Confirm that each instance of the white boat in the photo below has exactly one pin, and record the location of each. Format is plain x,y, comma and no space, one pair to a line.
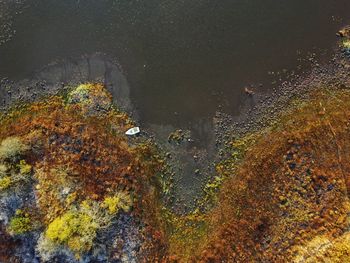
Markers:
133,131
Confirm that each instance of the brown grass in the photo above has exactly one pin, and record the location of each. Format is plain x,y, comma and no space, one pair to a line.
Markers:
292,186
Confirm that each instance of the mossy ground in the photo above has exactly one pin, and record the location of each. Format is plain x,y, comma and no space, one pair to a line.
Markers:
281,195
290,187
71,151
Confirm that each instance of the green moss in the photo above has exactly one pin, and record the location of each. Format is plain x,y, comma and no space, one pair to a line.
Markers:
20,223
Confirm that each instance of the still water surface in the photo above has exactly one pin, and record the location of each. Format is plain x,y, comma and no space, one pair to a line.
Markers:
182,58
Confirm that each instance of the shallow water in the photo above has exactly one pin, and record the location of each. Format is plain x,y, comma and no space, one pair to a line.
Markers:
182,58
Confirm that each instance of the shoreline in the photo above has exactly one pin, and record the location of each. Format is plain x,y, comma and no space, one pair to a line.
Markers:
191,176
183,218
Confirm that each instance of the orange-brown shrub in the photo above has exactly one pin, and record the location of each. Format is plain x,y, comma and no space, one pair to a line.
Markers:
91,154
292,186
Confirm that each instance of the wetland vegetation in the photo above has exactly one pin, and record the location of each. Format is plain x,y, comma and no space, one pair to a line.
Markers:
272,186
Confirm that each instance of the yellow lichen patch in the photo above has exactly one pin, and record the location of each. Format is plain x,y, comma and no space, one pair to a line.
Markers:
12,172
3,169
91,98
119,201
5,182
24,168
12,147
324,249
346,44
75,229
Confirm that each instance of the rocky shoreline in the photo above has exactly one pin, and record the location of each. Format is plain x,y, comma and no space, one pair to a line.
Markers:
61,75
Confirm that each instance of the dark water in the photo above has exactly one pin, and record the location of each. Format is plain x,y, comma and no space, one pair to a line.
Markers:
182,58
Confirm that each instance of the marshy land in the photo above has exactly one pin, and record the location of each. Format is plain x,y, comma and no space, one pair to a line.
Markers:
174,131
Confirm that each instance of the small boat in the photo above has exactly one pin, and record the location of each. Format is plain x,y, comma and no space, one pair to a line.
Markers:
133,131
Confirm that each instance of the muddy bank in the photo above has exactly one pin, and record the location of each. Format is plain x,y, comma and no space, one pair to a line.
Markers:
191,159
267,107
61,75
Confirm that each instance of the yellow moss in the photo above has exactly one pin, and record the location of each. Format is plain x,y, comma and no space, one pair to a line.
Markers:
185,233
85,204
57,230
75,229
5,182
90,97
24,168
12,147
119,201
324,249
346,44
71,198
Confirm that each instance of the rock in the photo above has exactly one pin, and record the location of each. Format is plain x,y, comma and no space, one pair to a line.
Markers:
344,32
